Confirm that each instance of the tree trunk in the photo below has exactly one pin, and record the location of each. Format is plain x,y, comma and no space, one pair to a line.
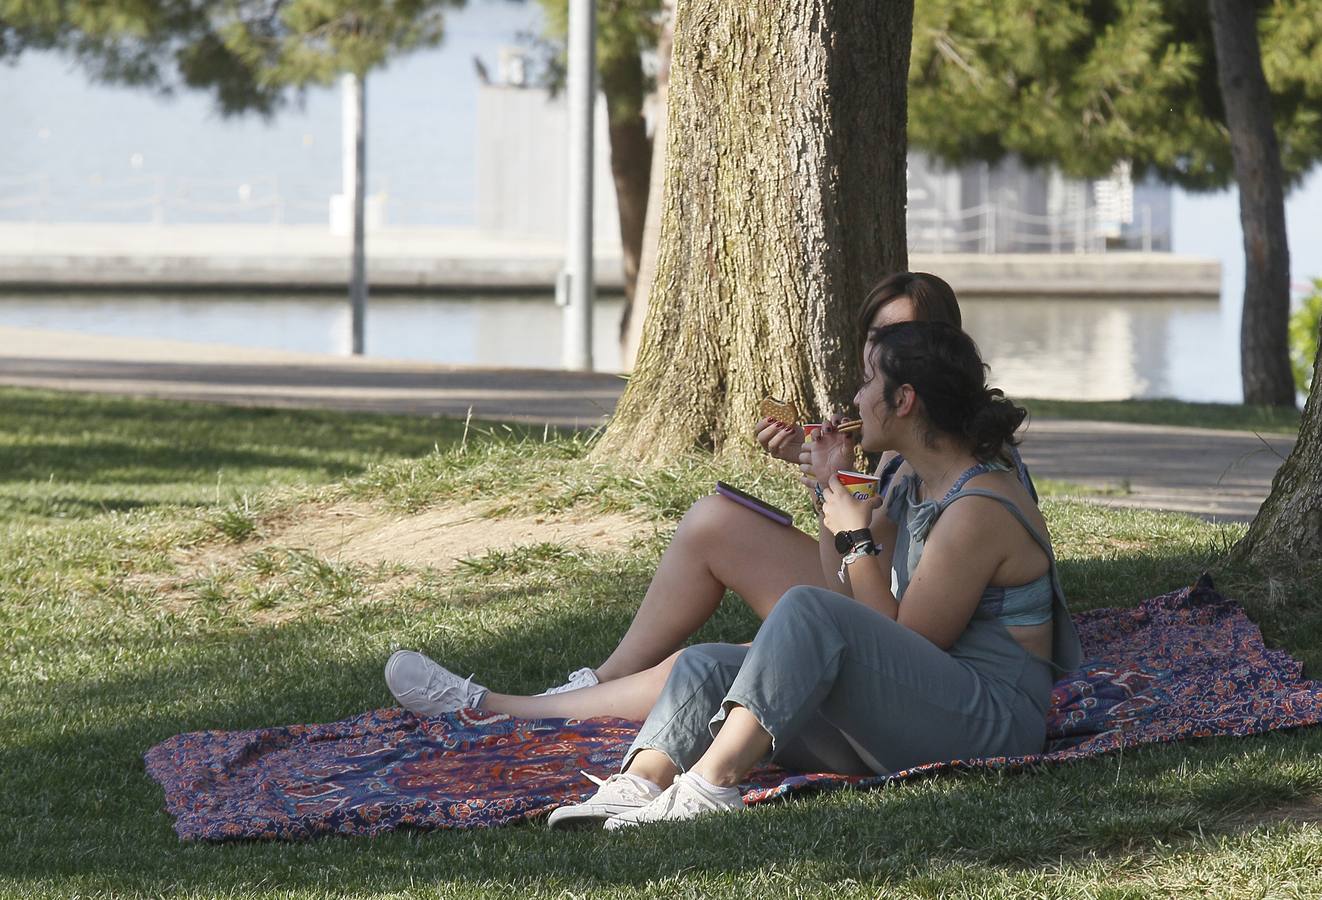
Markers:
784,202
1263,342
635,307
1288,527
625,87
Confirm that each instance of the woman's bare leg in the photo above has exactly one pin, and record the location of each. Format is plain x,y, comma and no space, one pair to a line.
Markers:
719,545
653,765
630,697
740,744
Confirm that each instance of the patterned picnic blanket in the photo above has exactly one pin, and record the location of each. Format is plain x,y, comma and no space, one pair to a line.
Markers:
1184,665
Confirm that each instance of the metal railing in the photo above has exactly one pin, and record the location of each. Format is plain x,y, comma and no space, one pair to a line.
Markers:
166,199
161,199
988,228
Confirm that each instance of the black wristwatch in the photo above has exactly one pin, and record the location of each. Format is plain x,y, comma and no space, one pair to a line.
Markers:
848,540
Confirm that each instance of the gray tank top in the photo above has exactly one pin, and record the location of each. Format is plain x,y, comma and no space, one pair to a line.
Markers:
1036,602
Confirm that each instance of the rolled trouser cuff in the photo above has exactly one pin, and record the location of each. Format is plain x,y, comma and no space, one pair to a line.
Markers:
678,725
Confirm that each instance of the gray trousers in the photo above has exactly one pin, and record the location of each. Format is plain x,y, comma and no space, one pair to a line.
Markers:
842,688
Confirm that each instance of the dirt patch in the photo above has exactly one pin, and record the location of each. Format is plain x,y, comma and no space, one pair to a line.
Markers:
233,575
359,533
1305,811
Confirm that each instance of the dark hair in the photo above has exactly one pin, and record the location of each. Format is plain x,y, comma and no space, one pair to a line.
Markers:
944,367
933,299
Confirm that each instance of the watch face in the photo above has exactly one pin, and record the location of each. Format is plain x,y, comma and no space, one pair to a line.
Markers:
844,541
848,540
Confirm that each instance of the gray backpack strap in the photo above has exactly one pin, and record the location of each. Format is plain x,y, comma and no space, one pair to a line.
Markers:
1066,653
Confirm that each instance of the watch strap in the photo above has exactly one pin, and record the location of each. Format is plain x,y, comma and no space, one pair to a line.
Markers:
845,541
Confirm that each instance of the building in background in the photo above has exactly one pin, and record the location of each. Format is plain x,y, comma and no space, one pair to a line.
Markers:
977,208
483,153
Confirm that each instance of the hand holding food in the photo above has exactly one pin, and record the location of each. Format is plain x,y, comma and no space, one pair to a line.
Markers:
781,440
830,451
778,430
842,510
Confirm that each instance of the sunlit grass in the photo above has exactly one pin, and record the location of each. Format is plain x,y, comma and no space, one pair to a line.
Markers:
1230,416
115,641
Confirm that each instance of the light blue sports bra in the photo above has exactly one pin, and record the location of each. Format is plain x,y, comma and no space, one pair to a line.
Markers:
1021,604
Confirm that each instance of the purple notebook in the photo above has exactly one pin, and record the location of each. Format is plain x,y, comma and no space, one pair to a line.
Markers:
761,507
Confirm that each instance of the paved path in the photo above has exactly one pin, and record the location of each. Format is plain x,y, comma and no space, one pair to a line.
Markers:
1221,475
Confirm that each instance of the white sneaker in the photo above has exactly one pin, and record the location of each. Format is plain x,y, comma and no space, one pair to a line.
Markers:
618,793
426,688
583,678
684,799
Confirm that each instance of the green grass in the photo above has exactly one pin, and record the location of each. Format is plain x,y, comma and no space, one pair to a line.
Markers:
76,455
1233,417
111,647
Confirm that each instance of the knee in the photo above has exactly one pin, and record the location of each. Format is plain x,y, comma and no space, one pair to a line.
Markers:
703,662
802,602
802,599
709,517
698,659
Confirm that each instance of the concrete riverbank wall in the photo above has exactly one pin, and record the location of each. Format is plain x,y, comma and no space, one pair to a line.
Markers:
90,257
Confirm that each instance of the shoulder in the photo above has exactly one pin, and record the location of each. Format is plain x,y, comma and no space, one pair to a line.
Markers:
970,517
989,520
976,521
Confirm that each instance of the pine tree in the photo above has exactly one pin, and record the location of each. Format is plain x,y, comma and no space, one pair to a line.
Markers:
1084,85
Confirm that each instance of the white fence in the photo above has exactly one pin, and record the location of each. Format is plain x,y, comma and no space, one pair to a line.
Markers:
160,200
165,199
988,228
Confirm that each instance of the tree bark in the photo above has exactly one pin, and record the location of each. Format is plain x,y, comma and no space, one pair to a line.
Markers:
1288,528
635,308
784,202
625,87
1263,341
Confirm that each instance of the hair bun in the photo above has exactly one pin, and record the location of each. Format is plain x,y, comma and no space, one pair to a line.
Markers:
994,423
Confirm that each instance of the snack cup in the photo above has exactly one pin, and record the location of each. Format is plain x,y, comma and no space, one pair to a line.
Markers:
863,487
810,430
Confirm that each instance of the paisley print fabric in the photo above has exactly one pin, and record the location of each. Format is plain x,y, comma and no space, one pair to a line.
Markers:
1185,665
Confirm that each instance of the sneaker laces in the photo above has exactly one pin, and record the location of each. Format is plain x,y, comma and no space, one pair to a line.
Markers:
682,800
618,785
679,800
437,689
582,678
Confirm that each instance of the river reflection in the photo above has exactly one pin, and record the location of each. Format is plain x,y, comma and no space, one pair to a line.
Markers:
1080,349
1107,349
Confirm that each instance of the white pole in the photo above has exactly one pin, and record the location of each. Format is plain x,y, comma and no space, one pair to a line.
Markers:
348,135
355,177
582,94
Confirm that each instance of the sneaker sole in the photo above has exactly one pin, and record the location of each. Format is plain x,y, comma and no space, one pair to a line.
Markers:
581,818
390,665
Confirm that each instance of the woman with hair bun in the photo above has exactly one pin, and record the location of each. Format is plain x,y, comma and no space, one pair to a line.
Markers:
719,546
957,663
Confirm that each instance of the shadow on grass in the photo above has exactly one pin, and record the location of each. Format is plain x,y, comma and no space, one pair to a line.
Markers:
82,810
69,437
123,462
75,507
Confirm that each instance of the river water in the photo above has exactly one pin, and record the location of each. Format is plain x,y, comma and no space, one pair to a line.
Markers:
1053,348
